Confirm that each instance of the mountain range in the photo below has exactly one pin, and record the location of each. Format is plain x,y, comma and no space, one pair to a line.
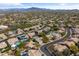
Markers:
30,9
23,9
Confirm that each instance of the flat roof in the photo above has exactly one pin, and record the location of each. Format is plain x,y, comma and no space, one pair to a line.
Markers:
3,45
12,41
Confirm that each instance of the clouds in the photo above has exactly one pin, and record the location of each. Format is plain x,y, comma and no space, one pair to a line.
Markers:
49,1
51,4
10,1
39,1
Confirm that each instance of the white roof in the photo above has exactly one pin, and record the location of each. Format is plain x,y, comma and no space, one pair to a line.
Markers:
2,26
13,45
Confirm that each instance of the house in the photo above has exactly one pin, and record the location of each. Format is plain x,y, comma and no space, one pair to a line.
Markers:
3,45
3,37
69,43
38,39
33,52
26,29
11,33
76,30
22,37
61,30
46,29
59,47
4,54
39,31
13,46
76,40
77,26
20,31
12,41
3,27
49,36
56,34
31,34
30,44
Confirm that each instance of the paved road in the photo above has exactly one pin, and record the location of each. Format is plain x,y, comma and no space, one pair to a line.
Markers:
44,47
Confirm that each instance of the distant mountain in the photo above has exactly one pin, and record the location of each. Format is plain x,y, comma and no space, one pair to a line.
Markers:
37,9
23,9
33,9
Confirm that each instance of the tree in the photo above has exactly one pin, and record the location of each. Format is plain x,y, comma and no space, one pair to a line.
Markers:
16,53
53,38
77,44
66,52
63,33
45,39
55,27
37,44
74,49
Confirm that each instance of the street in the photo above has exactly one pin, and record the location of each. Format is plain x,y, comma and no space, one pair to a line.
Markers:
44,48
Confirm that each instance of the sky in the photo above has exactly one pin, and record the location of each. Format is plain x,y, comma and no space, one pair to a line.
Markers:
39,1
49,4
40,5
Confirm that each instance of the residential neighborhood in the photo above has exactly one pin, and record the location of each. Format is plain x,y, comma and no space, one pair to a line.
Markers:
39,32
